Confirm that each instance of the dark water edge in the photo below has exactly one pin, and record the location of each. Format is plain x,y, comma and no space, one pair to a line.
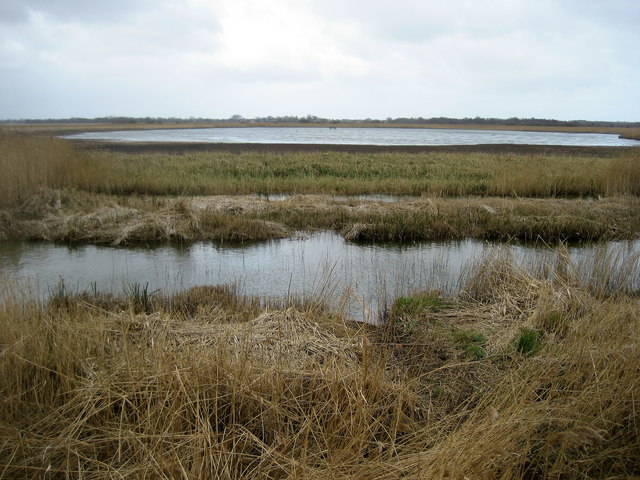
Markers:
360,279
179,148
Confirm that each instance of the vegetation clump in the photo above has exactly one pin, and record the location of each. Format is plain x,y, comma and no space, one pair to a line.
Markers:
528,342
472,343
415,305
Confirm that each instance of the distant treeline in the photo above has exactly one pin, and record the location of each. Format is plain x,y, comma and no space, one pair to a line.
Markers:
514,121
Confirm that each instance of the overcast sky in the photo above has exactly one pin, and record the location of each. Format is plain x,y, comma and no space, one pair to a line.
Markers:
563,59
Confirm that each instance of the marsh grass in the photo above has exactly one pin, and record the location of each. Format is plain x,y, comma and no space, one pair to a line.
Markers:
528,342
82,217
554,176
30,163
207,384
622,177
45,180
440,174
139,297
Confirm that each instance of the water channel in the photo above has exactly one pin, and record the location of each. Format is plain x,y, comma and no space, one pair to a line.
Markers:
356,136
358,278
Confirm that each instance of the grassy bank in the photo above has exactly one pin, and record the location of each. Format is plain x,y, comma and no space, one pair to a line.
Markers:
54,192
517,378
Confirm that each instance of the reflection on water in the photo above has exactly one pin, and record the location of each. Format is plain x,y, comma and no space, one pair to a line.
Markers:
357,136
381,198
357,277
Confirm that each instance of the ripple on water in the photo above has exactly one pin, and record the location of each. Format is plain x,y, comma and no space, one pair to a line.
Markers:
322,265
357,136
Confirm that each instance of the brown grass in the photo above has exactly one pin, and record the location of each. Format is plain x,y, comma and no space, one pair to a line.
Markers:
396,173
622,176
33,162
43,178
210,385
29,164
81,217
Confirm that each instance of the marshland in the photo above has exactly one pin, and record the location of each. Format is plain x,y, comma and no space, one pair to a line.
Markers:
528,369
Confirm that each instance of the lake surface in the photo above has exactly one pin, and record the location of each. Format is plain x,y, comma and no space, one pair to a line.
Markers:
356,136
358,278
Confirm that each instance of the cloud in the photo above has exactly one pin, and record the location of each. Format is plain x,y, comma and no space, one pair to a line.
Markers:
277,41
71,10
551,58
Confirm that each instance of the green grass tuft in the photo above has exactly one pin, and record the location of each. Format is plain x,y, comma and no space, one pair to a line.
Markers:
529,342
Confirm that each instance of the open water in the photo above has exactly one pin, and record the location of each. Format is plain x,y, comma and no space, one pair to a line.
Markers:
356,136
360,279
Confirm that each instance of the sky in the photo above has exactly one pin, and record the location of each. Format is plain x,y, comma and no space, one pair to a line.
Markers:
560,59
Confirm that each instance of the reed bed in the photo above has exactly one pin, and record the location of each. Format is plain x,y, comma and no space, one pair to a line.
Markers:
30,163
431,174
208,384
128,198
46,179
69,216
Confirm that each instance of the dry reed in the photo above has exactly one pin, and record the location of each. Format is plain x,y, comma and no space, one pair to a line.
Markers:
210,385
622,176
82,217
29,164
41,195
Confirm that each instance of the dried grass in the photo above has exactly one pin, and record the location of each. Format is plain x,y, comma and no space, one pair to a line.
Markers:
40,197
396,173
29,164
622,176
82,217
210,385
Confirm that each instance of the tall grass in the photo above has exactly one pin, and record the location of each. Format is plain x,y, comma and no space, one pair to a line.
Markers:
548,177
29,164
43,179
622,177
432,174
210,385
33,162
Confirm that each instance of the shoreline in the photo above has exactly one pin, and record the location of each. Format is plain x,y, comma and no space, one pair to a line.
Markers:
61,128
178,148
